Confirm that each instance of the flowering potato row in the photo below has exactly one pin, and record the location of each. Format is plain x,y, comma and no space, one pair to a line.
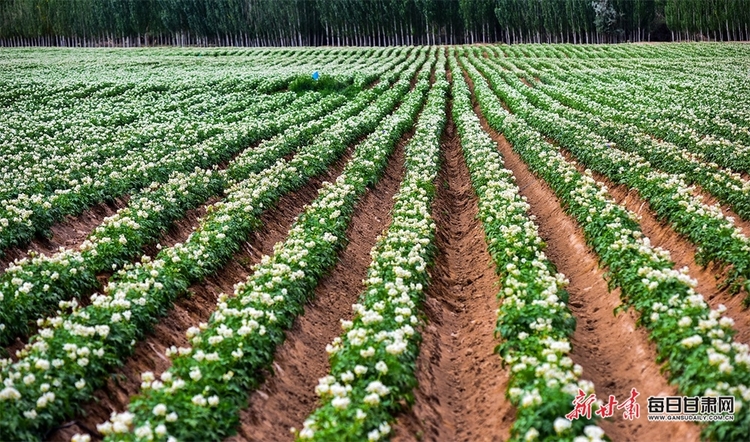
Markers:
717,237
200,396
534,321
685,93
716,136
26,215
373,363
693,341
730,188
283,144
77,135
74,352
80,133
691,98
306,108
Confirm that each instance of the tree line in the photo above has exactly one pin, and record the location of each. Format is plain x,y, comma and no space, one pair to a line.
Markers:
364,22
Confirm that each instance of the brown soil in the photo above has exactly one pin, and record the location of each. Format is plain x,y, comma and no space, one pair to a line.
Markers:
285,399
461,393
682,252
191,310
179,230
614,354
68,233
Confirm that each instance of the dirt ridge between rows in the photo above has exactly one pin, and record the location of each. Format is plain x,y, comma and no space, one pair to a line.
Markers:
189,311
615,354
69,232
461,392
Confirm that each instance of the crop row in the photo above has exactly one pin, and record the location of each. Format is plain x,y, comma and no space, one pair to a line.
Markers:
694,127
200,396
716,236
31,287
23,216
151,157
55,155
729,188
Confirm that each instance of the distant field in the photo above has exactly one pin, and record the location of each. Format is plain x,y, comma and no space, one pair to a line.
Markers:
403,243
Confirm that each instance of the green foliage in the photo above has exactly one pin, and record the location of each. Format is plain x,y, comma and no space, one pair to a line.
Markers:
326,84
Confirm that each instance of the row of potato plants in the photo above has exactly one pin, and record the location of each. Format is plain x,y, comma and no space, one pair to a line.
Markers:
53,155
694,342
717,238
701,93
534,321
42,133
701,88
132,105
75,351
201,395
700,96
728,187
664,119
373,364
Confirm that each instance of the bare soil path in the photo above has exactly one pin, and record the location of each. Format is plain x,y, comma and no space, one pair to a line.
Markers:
461,393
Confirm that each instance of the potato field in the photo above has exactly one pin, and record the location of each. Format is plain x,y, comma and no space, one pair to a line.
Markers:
428,243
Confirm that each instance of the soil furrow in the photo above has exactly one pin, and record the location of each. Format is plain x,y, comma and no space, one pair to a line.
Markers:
288,396
682,253
68,233
180,229
189,311
461,393
615,355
